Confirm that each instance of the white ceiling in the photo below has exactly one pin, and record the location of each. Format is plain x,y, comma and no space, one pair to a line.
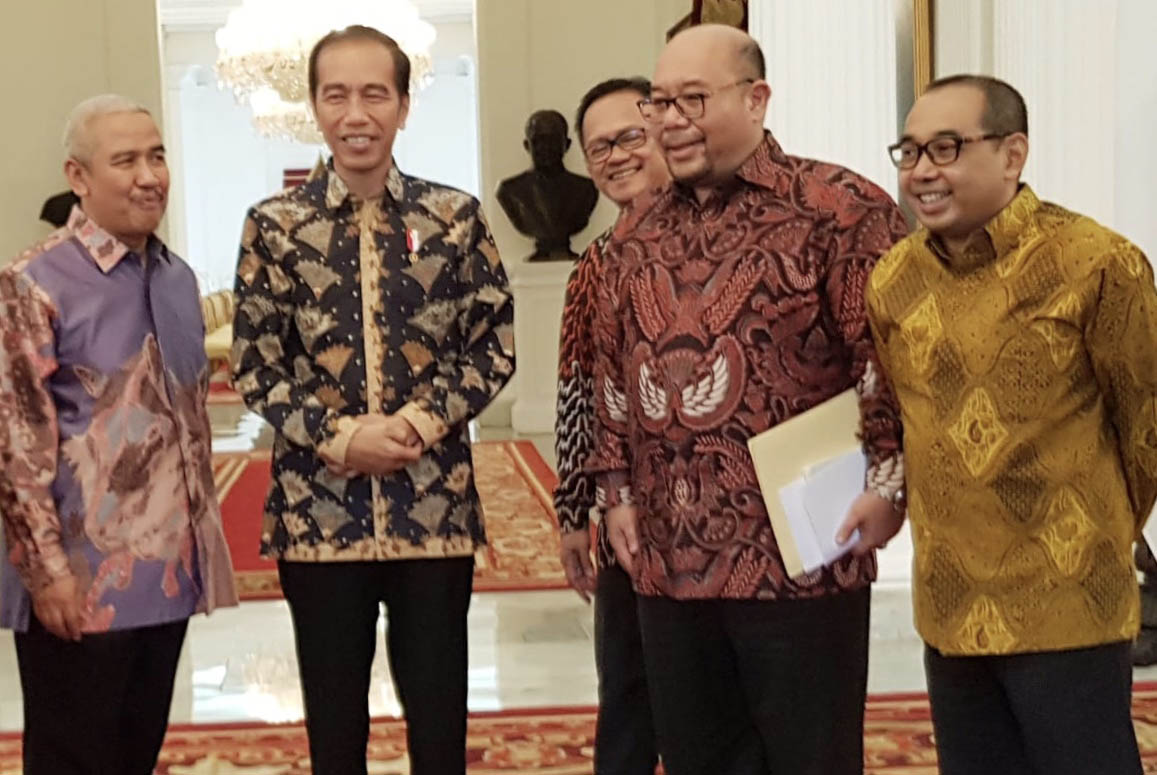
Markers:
200,14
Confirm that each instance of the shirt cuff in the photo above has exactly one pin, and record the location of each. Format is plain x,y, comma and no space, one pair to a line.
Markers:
48,569
429,426
886,479
612,490
333,449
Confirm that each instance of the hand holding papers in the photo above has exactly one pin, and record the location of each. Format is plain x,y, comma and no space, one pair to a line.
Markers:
811,469
816,505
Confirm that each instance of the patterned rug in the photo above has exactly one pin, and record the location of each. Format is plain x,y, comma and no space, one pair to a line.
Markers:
897,741
513,480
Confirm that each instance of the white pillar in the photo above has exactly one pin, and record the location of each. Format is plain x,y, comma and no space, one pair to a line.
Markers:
1061,55
963,37
539,289
1136,114
832,67
174,153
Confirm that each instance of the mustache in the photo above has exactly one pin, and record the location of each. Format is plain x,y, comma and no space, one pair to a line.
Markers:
678,138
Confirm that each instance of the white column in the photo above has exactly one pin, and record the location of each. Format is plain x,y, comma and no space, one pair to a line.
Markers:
539,289
176,221
833,70
1136,114
963,37
1061,55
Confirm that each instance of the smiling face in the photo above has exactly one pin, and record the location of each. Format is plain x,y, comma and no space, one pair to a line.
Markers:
636,162
358,107
705,62
955,200
123,181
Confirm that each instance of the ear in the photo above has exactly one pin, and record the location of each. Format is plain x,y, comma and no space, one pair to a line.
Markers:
403,111
566,147
526,145
77,177
759,98
1015,155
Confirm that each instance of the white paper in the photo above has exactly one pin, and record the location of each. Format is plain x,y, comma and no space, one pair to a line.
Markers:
793,497
1149,532
817,504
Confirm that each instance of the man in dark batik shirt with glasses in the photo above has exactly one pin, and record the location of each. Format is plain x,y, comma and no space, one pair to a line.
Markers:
624,163
374,320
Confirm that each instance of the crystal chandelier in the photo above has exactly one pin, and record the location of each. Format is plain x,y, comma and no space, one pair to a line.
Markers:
263,53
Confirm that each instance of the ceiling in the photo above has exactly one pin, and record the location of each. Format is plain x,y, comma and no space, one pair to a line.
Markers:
201,14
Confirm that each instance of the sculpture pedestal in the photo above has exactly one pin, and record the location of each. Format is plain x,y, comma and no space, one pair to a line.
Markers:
539,292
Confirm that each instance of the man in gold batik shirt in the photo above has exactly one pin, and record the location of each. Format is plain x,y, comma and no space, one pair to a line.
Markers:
1021,339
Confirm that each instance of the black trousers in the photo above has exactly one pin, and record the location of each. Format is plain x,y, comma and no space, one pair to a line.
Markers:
335,612
100,706
625,734
1049,713
740,687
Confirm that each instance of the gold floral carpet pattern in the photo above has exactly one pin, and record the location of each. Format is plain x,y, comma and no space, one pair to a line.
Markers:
560,741
514,484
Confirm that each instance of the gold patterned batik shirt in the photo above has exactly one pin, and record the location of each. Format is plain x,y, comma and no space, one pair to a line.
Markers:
1027,376
397,305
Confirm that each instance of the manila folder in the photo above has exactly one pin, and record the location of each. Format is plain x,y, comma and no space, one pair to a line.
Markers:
783,454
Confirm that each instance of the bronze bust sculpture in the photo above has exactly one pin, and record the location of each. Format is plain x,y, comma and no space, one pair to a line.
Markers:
548,203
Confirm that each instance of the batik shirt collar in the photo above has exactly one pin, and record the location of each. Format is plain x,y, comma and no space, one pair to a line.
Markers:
337,192
105,249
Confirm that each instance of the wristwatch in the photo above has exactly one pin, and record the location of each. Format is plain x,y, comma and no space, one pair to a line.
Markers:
898,497
900,500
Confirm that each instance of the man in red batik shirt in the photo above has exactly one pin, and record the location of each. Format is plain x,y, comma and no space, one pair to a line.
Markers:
730,303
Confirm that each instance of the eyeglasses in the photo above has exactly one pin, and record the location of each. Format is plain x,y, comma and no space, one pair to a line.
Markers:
941,150
689,105
628,140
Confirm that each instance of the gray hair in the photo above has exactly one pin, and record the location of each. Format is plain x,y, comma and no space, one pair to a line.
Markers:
78,143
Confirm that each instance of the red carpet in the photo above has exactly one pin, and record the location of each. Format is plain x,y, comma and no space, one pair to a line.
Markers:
513,480
897,741
220,391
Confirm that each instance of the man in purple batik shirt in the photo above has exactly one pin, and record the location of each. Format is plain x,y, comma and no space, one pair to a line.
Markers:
113,532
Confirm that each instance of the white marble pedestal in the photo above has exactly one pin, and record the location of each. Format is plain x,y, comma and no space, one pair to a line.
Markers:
539,291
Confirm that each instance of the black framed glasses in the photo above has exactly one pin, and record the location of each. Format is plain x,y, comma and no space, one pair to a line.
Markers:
690,106
941,150
630,139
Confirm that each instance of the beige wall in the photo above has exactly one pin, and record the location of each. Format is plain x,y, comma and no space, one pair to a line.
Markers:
537,54
54,53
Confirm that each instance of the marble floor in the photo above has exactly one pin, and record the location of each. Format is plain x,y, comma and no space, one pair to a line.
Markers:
528,649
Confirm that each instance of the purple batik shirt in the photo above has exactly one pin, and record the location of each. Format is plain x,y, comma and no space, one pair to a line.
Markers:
104,436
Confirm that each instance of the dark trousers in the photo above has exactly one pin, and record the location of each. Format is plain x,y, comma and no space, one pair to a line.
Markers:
335,612
1049,713
740,687
100,706
625,735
